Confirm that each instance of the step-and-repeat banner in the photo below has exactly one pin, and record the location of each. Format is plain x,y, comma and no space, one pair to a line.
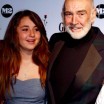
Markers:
48,10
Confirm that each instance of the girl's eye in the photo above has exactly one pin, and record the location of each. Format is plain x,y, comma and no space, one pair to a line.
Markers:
37,29
24,29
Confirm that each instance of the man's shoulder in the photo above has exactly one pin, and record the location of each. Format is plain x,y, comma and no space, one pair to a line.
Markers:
99,33
59,35
56,37
99,40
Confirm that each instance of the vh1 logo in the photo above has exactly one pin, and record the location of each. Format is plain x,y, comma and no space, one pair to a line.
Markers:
100,11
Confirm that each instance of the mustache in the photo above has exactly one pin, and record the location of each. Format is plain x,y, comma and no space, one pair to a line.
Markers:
73,26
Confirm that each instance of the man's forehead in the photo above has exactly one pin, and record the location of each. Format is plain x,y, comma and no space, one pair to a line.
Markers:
74,2
79,0
77,5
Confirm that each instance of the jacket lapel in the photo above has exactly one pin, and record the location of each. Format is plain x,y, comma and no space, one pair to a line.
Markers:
88,66
54,54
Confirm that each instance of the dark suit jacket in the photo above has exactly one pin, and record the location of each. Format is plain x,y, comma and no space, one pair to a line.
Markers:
76,68
1,44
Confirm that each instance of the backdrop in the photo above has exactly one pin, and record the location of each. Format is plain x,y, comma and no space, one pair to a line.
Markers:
48,10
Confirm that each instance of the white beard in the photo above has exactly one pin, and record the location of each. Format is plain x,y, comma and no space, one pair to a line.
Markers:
81,34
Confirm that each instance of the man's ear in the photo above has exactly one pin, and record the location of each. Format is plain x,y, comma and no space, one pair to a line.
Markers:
93,15
62,15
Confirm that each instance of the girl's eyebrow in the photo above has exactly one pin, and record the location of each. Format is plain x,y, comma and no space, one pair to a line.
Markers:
26,26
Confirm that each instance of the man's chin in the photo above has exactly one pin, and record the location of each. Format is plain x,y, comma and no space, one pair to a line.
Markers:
77,34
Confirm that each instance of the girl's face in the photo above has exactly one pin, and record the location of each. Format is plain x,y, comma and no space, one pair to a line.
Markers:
29,34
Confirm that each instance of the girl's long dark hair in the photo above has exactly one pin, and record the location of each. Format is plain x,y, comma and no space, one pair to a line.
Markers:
10,57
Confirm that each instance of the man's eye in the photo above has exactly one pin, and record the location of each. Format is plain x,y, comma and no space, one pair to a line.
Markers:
67,13
81,13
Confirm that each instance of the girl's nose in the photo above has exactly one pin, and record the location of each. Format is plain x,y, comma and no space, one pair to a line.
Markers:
32,33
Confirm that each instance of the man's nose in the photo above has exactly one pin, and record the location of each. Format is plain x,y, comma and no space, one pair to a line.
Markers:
74,19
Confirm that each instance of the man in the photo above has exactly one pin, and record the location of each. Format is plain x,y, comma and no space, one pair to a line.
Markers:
76,68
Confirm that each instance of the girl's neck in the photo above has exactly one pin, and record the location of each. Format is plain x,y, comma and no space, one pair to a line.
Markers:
26,56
